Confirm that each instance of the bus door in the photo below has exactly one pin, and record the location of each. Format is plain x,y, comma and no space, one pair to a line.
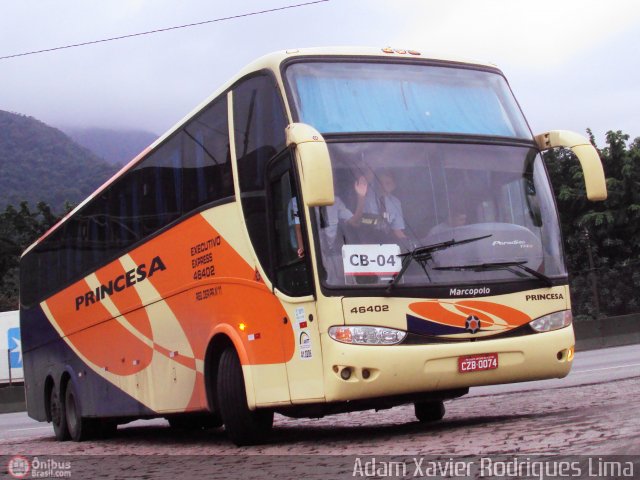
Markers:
292,278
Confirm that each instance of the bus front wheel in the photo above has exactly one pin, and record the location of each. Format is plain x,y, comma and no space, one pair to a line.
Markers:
58,415
429,411
243,426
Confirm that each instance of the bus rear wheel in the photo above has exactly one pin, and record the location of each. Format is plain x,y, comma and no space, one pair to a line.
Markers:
427,412
58,416
243,426
80,428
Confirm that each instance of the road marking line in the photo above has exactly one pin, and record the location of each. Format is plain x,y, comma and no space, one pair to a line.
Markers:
607,368
29,428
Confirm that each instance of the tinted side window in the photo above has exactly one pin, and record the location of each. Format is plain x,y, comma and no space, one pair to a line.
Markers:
290,269
206,163
259,123
161,186
191,169
124,212
94,234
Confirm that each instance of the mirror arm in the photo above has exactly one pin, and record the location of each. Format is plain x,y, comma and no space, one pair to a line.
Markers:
587,155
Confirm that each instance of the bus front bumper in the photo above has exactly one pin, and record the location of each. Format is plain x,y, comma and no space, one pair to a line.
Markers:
380,371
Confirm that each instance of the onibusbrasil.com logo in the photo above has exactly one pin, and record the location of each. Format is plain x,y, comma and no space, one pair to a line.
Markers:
21,467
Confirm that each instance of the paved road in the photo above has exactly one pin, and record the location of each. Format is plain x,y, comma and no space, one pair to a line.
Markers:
592,412
590,367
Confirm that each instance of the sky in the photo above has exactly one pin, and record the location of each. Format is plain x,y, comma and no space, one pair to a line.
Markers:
572,64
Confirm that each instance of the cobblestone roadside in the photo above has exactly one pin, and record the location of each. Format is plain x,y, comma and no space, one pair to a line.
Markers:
596,419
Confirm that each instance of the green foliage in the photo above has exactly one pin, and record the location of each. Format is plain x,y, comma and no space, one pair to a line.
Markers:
609,230
41,166
40,163
18,229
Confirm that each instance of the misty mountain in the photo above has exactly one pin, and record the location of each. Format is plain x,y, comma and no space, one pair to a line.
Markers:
40,163
115,146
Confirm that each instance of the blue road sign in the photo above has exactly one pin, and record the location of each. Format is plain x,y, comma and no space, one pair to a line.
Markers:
15,347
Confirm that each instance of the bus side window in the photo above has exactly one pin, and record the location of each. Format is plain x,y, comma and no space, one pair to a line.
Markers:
46,278
124,213
259,123
161,186
207,158
286,237
97,231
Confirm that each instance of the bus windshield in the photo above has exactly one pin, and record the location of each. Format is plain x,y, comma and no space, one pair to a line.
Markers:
357,97
394,198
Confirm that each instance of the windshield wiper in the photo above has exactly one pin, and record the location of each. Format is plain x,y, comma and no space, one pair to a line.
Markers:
502,265
423,254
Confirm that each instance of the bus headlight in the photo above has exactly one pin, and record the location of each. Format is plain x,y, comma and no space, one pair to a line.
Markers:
553,321
364,335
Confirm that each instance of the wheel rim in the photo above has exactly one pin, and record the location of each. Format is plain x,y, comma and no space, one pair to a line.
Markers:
72,418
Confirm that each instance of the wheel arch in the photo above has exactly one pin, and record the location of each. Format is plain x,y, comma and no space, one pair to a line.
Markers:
221,340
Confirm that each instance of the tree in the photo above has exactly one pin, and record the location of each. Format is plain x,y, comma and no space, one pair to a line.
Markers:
601,238
18,229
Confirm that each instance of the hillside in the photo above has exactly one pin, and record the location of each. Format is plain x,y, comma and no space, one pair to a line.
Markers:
115,146
40,163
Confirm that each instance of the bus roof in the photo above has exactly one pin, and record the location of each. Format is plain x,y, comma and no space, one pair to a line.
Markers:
271,61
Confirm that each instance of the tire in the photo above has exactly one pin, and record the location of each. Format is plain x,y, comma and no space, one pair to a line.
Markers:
58,415
427,412
195,422
243,426
80,429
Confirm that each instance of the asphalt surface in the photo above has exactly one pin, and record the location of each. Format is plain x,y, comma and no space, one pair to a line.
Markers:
590,367
586,419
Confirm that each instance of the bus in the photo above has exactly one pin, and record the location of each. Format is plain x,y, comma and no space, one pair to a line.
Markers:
333,230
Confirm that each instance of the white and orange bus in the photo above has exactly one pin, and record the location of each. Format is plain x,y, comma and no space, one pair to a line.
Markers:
332,230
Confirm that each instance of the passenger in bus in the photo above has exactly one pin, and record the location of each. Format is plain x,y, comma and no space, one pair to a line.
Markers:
295,231
377,217
332,237
379,207
330,218
389,205
457,217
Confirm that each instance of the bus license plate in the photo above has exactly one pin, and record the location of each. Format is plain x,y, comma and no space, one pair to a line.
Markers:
476,363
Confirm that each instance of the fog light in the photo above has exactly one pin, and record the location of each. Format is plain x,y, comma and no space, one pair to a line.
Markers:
345,374
366,373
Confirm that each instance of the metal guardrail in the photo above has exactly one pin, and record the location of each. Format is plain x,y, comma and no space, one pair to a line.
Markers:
605,292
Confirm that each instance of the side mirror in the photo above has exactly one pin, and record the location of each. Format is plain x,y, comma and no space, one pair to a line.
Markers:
316,174
587,155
